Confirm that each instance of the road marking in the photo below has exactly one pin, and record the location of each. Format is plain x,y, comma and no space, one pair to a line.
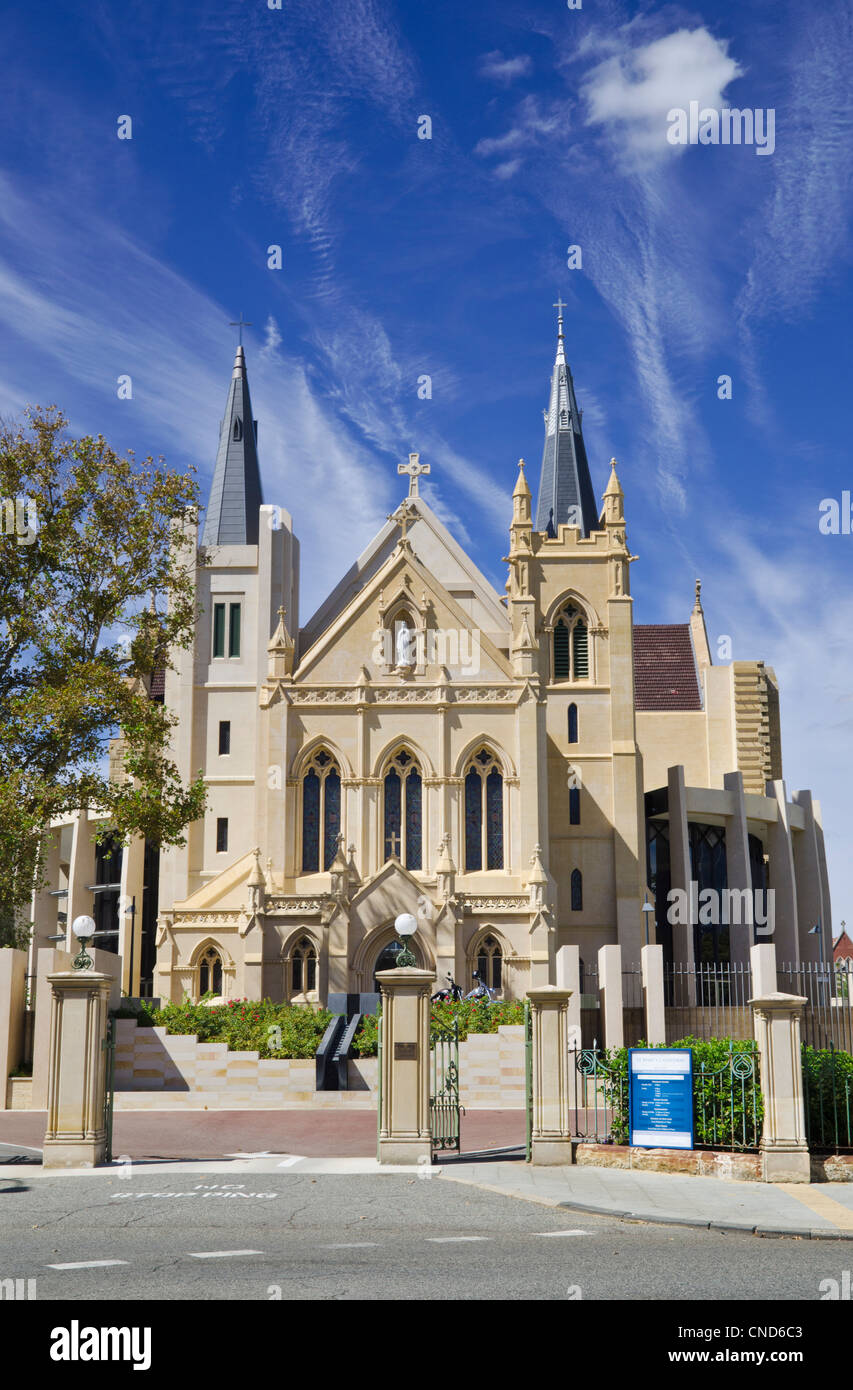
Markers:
220,1254
453,1240
89,1264
835,1212
562,1233
353,1245
289,1162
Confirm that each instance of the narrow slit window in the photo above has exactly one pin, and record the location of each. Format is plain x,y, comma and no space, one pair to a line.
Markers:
234,630
221,834
574,806
224,736
573,723
219,629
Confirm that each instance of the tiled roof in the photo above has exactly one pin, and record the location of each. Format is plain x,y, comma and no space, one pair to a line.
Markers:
665,668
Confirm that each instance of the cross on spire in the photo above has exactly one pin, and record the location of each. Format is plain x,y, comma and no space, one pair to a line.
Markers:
240,323
414,468
404,516
560,306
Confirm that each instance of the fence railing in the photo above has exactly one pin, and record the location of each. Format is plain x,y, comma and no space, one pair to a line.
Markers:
727,1102
828,1015
707,1001
828,1098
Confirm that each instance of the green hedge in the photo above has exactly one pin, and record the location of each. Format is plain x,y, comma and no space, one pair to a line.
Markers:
828,1085
246,1026
721,1119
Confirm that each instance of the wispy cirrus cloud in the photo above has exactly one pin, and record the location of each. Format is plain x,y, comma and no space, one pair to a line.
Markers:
505,70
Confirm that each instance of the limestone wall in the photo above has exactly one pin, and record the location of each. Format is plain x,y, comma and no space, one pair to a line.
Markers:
159,1070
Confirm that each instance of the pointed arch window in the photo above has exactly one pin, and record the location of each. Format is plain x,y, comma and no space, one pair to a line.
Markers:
484,813
490,962
210,973
573,723
237,432
321,812
571,647
403,810
577,890
303,967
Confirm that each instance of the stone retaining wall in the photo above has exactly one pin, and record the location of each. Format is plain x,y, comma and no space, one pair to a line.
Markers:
159,1070
706,1163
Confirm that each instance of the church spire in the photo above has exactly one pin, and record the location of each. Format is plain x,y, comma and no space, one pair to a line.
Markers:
565,488
235,495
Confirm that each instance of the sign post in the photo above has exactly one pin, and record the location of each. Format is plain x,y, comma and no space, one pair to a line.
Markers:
660,1097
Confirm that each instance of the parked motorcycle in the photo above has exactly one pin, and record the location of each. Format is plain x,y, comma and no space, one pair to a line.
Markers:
451,994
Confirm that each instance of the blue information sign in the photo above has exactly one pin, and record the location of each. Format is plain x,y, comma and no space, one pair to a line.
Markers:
660,1097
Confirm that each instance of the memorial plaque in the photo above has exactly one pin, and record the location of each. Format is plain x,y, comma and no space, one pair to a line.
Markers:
405,1052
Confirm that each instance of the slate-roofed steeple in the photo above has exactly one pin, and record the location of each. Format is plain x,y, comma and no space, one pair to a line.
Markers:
235,495
565,480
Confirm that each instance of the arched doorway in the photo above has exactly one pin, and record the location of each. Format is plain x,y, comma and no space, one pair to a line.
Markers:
386,960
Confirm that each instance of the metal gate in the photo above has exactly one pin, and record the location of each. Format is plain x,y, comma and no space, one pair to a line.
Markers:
444,1104
109,1047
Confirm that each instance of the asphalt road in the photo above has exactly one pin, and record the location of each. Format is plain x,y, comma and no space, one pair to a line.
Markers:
386,1236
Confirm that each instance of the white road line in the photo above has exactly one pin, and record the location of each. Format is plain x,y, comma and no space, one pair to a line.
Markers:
562,1233
453,1240
289,1162
89,1264
220,1254
353,1245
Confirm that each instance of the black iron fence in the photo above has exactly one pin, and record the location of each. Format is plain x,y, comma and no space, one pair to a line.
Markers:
708,1001
828,1098
727,1101
828,1014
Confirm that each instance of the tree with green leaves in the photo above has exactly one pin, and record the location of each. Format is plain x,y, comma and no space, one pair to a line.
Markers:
96,588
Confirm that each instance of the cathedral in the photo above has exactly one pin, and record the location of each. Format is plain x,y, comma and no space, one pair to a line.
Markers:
518,770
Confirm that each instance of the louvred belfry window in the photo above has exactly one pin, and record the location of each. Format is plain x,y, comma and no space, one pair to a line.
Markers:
571,646
321,812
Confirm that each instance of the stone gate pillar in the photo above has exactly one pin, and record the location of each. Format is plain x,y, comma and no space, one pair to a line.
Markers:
405,1135
79,1008
784,1150
552,1130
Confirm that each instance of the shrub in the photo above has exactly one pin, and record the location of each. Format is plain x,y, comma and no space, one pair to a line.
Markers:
828,1086
727,1112
476,1015
272,1030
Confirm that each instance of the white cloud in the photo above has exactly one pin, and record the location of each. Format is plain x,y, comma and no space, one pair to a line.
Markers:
272,340
500,69
634,90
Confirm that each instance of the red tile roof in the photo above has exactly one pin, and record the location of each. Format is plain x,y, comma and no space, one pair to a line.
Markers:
665,668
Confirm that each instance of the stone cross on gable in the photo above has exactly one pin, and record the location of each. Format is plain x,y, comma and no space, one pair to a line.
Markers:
414,468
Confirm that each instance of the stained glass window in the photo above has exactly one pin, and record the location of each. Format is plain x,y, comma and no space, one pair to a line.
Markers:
331,816
403,817
393,814
303,967
473,821
310,823
489,962
321,812
573,723
413,819
483,813
210,973
574,806
577,891
494,820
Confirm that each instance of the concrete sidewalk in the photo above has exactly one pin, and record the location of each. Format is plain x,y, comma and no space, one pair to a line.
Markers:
815,1211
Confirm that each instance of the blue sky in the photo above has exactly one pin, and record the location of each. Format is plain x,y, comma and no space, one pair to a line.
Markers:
403,257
